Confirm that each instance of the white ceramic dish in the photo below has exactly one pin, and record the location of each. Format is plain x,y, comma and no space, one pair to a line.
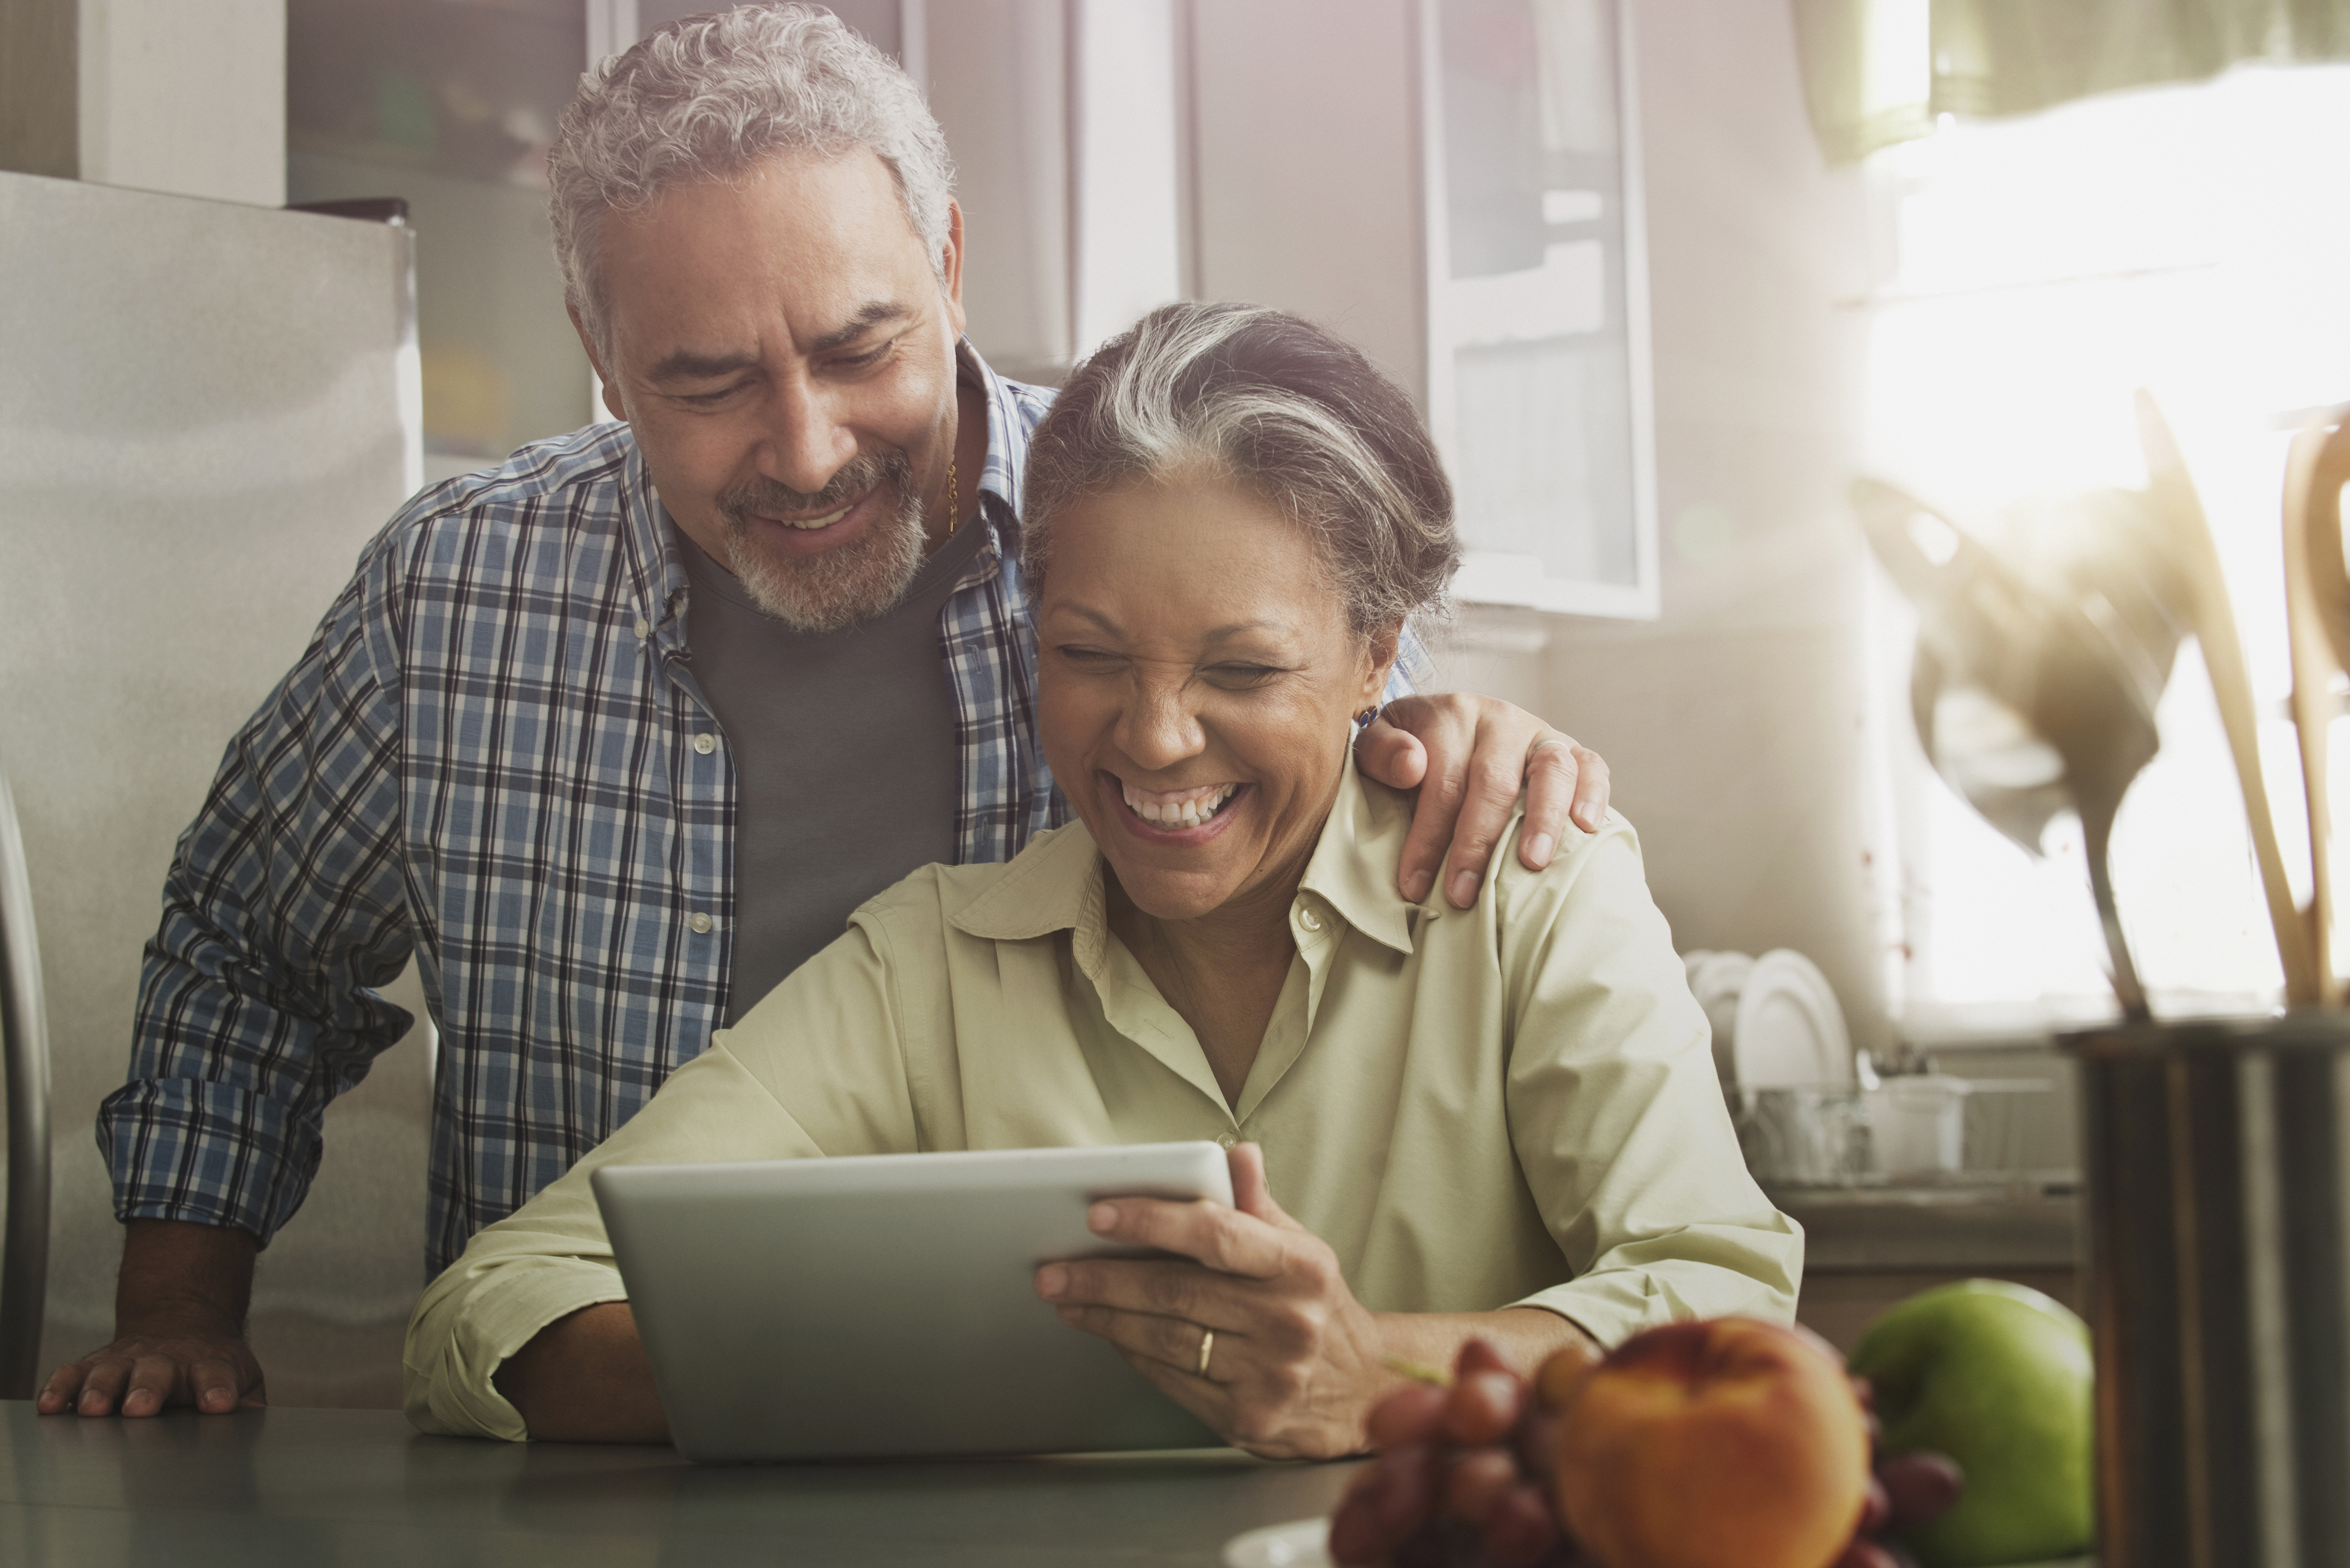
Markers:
1715,978
1789,1031
1300,1544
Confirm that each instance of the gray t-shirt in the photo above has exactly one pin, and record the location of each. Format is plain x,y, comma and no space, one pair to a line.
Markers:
844,753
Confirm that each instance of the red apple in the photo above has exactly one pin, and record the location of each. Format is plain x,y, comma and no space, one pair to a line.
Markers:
1730,1444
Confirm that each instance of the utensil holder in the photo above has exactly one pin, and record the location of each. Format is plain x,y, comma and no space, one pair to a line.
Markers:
2212,1164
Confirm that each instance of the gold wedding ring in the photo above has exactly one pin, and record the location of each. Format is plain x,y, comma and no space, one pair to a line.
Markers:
1207,1348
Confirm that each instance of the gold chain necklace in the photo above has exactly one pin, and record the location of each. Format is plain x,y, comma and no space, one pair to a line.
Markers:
953,508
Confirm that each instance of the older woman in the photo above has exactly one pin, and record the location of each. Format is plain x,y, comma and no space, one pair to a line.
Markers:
1501,1122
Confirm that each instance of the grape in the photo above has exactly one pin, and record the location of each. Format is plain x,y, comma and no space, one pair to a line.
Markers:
1479,1356
1403,1489
1520,1532
1536,1440
1865,1553
1482,1407
1875,1508
1917,1487
1410,1415
1356,1535
1478,1482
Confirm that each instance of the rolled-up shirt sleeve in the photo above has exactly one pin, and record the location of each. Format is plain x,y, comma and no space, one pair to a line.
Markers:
827,1036
284,906
1617,1113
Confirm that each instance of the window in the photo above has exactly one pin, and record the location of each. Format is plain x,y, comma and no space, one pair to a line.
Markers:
2033,274
1536,303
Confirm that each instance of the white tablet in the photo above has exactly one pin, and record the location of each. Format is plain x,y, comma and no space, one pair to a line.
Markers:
885,1305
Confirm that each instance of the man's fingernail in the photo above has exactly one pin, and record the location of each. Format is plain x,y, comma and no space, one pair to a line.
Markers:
1417,884
90,1401
1102,1217
1538,848
1464,888
1051,1281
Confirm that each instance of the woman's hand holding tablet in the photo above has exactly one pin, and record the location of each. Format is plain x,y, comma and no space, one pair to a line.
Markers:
1258,1335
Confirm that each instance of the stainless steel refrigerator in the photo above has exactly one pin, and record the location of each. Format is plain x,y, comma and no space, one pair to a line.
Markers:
205,411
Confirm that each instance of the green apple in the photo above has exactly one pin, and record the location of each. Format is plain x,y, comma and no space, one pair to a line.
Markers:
1998,1377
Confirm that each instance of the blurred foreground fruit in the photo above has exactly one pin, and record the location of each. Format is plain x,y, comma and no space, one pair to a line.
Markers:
1998,1377
1727,1444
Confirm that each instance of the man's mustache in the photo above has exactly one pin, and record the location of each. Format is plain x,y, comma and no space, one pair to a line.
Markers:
766,497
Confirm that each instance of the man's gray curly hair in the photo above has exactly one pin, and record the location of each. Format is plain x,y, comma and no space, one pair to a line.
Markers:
708,97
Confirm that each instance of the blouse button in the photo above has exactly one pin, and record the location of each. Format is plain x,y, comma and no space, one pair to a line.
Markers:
1227,1140
1308,919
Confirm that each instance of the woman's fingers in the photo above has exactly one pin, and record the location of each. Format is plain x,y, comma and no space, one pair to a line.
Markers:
1220,1238
1173,1343
1157,1287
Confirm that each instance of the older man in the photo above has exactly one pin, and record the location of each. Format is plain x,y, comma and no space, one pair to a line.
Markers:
602,828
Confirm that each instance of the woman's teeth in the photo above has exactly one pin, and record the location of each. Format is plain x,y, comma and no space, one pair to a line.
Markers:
1178,807
826,521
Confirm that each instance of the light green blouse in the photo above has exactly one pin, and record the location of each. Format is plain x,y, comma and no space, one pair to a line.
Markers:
1514,1104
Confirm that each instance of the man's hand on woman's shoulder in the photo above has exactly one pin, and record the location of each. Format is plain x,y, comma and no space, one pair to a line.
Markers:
1469,756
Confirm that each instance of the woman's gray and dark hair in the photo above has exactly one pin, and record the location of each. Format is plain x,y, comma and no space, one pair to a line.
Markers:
706,97
1278,406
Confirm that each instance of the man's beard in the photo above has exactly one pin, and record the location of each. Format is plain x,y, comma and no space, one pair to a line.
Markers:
833,588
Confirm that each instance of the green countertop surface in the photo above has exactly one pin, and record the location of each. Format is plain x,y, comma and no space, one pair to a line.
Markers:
264,1488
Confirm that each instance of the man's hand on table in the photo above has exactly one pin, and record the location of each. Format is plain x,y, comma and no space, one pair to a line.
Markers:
1469,757
178,1326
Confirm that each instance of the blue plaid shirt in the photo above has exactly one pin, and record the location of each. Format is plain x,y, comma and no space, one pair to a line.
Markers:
485,758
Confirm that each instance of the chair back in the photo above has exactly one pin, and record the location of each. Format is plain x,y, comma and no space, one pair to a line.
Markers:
25,1039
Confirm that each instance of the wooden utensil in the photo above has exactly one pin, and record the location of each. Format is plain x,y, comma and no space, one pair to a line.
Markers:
2173,492
2318,620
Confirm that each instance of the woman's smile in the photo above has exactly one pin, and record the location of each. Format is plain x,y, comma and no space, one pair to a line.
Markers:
1175,816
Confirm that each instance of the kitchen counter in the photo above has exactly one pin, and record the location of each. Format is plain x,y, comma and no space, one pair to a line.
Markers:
361,1486
1867,1248
1866,1229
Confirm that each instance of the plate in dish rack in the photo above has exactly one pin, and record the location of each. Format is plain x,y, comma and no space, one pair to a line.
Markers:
1790,1032
1300,1544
